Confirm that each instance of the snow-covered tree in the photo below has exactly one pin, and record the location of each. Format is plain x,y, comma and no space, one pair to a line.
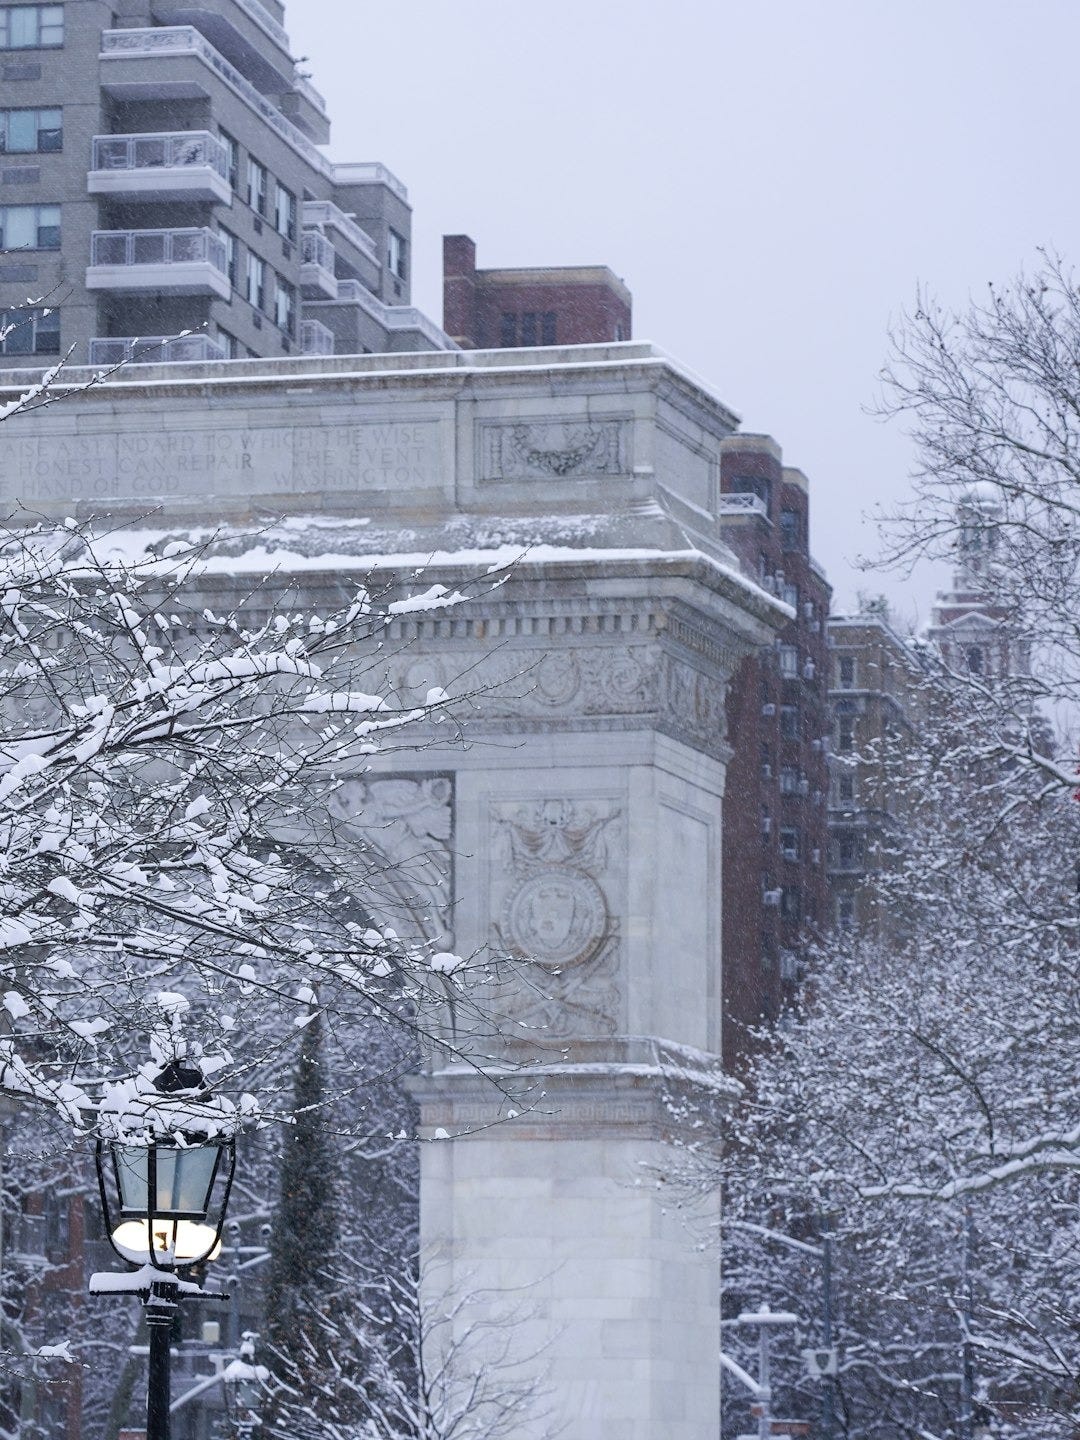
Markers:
165,773
925,1100
991,398
922,1107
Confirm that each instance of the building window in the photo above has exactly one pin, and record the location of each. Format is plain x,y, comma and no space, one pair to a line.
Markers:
789,722
547,328
232,150
759,485
31,27
791,903
790,529
845,912
232,256
976,660
845,786
29,227
847,849
256,281
845,733
789,662
789,842
528,328
789,780
790,594
395,254
846,672
229,344
284,305
508,331
256,186
30,332
285,213
29,132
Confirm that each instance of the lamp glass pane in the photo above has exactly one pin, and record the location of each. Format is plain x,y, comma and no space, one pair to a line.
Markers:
184,1178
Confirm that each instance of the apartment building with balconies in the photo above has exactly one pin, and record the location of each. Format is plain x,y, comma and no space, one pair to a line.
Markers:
165,194
775,803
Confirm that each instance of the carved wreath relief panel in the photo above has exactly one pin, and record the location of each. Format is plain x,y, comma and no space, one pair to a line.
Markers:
519,451
554,865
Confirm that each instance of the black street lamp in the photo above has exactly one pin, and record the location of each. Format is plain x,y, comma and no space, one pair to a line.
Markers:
245,1389
158,1189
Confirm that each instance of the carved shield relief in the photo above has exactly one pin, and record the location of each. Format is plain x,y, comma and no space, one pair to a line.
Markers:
556,865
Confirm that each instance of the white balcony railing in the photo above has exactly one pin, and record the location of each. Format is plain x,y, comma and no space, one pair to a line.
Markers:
171,40
315,338
326,215
158,247
317,255
153,349
743,504
315,249
165,151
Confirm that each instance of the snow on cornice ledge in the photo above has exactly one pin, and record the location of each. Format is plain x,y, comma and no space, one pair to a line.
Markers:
451,365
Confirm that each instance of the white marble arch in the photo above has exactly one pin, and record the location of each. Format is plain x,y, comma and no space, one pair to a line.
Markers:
579,821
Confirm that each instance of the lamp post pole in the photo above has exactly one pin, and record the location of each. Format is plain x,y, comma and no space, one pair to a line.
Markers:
160,1313
827,1413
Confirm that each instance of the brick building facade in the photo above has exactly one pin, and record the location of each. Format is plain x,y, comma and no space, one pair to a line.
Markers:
775,820
555,305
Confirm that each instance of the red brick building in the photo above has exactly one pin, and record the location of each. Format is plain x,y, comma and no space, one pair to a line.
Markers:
775,806
503,309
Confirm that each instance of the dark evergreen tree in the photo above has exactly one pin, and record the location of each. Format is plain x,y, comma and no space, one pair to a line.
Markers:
305,1229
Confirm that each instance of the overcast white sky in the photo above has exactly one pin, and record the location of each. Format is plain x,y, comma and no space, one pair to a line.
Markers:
772,178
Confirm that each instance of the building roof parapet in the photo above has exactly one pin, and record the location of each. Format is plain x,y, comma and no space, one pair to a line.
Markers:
558,275
368,172
754,444
869,621
602,361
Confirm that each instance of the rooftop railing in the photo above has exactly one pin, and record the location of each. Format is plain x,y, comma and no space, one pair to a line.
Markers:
315,338
153,349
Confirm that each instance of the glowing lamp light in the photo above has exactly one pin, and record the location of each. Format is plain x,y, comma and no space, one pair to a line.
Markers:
163,1212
